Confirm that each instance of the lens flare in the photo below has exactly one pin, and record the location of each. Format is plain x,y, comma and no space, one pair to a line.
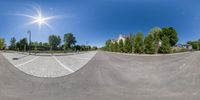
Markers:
38,18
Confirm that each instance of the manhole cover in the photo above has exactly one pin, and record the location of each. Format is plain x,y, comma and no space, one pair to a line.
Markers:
15,58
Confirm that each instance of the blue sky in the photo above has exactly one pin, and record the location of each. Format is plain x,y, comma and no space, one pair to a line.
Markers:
96,21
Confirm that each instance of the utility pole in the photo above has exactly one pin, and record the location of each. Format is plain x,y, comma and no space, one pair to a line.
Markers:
29,32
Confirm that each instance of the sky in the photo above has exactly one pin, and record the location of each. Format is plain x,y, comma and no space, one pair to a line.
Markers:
95,21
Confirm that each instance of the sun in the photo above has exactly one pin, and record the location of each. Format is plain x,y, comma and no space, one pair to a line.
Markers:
38,18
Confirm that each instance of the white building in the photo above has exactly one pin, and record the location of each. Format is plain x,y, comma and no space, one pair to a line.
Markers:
121,37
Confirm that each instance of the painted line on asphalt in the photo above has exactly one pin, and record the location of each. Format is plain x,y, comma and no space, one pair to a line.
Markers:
58,61
27,62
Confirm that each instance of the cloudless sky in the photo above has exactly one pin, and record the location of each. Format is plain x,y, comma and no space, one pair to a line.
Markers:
96,21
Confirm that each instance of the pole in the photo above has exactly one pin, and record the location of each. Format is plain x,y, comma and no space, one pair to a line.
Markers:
29,32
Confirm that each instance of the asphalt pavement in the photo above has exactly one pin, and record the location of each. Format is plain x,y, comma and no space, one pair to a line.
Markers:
110,76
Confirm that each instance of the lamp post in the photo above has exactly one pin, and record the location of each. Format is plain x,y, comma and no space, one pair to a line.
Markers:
29,32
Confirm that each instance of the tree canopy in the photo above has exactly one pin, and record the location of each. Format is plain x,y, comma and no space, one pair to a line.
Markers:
150,45
139,43
107,47
171,33
127,45
12,43
121,45
22,44
69,40
165,47
54,41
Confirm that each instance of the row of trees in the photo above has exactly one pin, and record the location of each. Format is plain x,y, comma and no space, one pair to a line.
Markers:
54,43
157,41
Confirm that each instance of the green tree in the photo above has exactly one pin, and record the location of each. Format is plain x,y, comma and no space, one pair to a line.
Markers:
165,47
46,46
149,44
54,41
132,42
2,43
40,44
107,47
121,45
156,33
22,45
127,45
111,47
139,43
12,43
116,46
69,41
94,48
171,33
35,46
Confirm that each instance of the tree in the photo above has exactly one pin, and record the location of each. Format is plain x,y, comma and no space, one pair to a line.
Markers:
149,44
165,47
54,41
115,47
83,47
22,45
35,45
107,47
132,37
69,40
12,43
121,45
171,33
138,43
156,33
77,47
127,45
94,48
46,46
2,43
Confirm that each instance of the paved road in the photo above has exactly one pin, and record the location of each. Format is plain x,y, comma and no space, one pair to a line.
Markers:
51,65
110,76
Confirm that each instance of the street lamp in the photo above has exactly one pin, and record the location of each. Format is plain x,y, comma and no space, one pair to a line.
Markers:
29,32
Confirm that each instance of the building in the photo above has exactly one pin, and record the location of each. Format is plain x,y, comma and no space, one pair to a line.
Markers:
179,47
121,37
187,46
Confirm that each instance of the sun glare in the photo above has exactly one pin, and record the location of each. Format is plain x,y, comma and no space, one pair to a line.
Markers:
38,18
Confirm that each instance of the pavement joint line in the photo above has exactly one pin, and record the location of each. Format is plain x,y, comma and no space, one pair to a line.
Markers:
27,62
84,58
58,61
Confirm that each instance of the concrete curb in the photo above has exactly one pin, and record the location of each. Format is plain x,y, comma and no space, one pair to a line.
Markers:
132,54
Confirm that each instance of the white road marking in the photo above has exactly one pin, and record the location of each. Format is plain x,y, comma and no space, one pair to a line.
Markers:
63,65
27,62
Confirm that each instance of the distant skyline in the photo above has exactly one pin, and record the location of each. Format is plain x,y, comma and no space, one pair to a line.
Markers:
95,21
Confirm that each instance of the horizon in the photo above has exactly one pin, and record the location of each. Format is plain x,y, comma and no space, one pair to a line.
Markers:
97,21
